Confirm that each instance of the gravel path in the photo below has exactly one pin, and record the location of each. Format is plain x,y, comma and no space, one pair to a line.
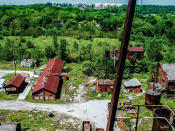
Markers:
23,94
5,72
82,91
95,111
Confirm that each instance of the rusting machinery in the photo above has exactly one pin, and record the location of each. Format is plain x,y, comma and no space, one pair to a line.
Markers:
152,97
161,124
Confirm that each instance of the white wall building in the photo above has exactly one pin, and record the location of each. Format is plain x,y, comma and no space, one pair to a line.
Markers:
28,62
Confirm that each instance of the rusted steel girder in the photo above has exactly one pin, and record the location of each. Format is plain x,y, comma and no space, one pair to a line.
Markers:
121,64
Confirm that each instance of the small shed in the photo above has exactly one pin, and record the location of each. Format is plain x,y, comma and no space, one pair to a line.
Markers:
2,83
133,85
104,85
15,85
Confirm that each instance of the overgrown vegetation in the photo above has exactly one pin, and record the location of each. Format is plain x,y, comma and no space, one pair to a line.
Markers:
3,96
155,32
37,120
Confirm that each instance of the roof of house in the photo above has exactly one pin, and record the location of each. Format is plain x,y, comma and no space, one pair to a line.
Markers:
132,83
135,49
16,81
106,82
49,79
169,70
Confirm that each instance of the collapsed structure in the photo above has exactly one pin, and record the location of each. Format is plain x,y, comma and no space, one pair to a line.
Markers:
50,82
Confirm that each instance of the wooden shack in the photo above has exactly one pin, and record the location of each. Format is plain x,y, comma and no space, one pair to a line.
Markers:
104,85
133,85
15,85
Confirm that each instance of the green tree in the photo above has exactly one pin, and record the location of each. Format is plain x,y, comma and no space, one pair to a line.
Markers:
55,43
154,48
63,46
50,52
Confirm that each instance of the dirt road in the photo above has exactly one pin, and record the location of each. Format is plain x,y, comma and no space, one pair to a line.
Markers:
95,111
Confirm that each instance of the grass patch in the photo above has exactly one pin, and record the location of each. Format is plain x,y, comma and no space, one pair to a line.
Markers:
33,121
3,96
10,66
103,95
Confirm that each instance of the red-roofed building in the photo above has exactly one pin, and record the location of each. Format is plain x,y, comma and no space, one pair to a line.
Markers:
15,85
104,85
136,51
50,82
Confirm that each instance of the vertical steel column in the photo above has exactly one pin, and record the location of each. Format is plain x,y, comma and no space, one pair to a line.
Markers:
121,64
138,109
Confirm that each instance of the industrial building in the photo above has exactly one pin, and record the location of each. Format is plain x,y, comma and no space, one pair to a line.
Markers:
50,82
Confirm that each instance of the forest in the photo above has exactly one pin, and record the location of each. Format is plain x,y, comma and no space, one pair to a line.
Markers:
22,27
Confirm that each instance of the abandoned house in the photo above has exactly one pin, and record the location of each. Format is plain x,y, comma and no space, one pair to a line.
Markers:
15,85
137,52
28,63
167,76
50,82
133,85
104,85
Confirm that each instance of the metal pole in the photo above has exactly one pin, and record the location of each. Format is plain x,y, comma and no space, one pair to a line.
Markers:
138,109
121,64
15,69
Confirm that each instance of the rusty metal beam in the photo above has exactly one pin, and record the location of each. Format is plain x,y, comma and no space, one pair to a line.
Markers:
121,64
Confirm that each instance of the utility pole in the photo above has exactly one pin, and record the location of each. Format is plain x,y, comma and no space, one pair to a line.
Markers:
121,64
15,62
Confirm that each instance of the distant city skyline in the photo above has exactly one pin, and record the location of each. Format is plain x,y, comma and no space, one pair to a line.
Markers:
145,2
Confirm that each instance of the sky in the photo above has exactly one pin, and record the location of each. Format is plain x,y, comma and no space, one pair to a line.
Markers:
25,2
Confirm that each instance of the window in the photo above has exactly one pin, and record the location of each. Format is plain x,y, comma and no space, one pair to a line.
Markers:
36,97
101,89
46,97
139,56
50,97
41,93
163,81
41,97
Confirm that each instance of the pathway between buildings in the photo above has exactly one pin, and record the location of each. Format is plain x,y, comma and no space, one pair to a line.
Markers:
23,94
82,92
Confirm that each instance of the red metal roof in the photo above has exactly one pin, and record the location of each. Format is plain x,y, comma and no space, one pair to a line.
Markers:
135,49
49,79
16,81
